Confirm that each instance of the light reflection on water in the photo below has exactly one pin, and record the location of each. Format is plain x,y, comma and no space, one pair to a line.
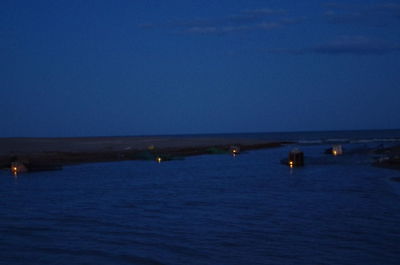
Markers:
216,209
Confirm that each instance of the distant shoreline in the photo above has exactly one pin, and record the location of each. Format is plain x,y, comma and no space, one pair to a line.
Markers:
53,153
48,152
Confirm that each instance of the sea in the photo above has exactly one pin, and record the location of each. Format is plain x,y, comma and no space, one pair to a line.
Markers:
211,209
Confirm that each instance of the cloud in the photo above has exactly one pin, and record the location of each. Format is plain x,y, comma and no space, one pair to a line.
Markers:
215,30
232,29
391,8
246,20
269,25
203,30
376,15
356,45
264,12
253,15
224,28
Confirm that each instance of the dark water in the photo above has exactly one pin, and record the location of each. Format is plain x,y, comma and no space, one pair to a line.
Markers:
214,209
320,137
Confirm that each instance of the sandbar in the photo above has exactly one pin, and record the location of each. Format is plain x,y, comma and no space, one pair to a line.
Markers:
65,151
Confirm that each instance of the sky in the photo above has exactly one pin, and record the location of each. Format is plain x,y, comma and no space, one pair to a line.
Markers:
105,68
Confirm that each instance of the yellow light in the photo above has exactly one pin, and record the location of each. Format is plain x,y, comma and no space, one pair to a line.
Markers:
334,152
291,164
159,159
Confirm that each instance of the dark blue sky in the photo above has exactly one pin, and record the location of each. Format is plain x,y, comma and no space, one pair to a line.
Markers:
82,68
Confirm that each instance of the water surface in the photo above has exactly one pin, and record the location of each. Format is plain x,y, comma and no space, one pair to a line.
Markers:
213,209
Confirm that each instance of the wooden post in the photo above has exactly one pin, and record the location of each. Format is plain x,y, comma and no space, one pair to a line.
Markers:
296,158
17,167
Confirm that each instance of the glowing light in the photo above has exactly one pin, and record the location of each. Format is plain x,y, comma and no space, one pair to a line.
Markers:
291,164
158,159
234,150
14,170
337,150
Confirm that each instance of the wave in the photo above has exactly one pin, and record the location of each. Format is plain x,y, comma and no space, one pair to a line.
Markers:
375,140
346,140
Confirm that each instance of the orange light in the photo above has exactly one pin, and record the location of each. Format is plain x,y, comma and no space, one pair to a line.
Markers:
291,164
334,152
14,171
